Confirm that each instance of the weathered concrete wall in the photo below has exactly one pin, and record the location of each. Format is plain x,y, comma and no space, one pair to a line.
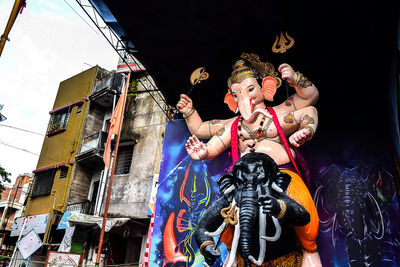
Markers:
94,120
79,185
144,123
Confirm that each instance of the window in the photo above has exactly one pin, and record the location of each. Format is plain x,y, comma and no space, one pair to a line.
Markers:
124,159
63,172
43,183
58,121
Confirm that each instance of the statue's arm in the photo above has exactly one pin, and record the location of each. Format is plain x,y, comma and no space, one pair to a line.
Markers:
198,150
299,125
306,92
198,127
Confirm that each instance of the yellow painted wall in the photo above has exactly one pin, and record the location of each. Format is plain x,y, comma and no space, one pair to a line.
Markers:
62,147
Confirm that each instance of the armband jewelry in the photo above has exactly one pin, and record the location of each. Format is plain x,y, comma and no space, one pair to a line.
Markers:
205,243
283,209
309,250
309,128
301,80
189,113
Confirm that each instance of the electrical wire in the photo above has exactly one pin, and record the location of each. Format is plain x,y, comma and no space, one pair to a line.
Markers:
25,150
81,17
20,129
127,54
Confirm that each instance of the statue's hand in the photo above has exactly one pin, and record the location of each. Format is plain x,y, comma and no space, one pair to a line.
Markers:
269,204
211,254
197,150
288,73
300,137
185,104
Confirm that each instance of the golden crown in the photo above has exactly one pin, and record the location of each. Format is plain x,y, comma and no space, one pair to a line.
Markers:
249,65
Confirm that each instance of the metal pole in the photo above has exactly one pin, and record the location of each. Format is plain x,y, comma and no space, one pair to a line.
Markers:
104,173
13,16
103,226
19,238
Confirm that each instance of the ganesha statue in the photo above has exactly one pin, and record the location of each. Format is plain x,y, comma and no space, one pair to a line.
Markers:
266,216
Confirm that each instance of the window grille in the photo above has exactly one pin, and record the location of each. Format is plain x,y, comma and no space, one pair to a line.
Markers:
63,172
124,159
59,121
43,183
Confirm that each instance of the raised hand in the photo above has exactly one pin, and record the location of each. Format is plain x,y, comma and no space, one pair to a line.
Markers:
197,150
210,254
185,104
287,73
300,137
270,205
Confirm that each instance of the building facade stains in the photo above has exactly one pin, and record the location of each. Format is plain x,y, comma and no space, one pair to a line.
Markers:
143,128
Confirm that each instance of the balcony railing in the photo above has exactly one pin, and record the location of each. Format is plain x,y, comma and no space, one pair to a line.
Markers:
92,149
105,89
86,207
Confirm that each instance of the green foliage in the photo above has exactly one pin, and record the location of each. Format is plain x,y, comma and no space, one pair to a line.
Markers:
4,177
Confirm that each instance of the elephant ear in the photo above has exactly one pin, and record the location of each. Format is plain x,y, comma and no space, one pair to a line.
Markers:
230,101
226,183
269,88
381,184
326,192
282,180
330,177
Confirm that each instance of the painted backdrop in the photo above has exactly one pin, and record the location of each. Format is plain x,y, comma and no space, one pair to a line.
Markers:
186,188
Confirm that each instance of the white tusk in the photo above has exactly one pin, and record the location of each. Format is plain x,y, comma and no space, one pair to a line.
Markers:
217,232
276,188
229,189
278,231
235,243
262,227
205,264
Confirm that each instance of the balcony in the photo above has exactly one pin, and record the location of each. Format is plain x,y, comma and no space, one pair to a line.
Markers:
105,88
92,150
86,207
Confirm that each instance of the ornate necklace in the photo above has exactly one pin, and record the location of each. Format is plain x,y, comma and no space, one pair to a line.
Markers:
258,134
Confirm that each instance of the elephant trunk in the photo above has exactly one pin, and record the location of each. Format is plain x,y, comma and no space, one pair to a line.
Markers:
247,218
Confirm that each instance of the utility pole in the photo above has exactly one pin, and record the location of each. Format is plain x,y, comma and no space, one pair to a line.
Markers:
17,9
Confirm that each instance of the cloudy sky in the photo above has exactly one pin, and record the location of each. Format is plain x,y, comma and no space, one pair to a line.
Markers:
49,43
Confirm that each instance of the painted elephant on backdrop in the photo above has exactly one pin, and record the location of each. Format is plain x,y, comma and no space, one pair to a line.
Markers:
354,202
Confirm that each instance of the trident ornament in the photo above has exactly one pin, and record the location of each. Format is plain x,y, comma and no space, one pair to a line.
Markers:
282,44
196,77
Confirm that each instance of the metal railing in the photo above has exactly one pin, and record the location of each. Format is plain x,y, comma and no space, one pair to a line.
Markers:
85,207
93,142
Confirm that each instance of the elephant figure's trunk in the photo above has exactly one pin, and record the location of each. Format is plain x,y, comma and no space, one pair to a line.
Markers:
247,217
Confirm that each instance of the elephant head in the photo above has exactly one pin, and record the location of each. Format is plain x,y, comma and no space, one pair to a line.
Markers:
352,202
255,189
253,176
245,94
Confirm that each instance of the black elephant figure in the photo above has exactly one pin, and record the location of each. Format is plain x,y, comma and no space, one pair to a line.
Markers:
254,200
355,206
